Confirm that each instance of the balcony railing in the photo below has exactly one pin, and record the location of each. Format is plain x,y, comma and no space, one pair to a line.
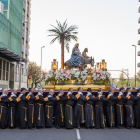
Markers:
139,53
138,64
23,18
22,48
26,37
28,12
139,42
22,33
24,7
138,31
139,10
26,51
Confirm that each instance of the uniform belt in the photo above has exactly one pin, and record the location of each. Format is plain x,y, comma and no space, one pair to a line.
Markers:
25,113
39,110
120,112
70,115
82,113
32,112
92,113
48,116
61,112
131,112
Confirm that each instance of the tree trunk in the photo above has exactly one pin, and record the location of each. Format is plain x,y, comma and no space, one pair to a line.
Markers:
62,53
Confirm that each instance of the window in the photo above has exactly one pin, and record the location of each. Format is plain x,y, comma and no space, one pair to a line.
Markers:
7,72
0,68
4,64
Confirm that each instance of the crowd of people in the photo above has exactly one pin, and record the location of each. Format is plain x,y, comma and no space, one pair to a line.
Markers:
71,110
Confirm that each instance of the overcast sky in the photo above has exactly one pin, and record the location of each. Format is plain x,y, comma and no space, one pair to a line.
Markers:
108,28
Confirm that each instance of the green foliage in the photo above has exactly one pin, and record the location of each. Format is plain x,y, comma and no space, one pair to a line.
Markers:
34,71
122,80
63,32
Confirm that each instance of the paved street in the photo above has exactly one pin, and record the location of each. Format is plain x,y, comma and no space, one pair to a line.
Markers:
64,134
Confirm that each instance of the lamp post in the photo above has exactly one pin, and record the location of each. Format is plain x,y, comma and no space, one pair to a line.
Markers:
135,64
41,65
26,21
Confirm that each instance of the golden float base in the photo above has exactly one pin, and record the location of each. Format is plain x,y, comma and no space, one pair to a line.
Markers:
66,87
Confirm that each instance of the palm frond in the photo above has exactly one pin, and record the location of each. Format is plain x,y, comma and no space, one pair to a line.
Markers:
54,40
67,46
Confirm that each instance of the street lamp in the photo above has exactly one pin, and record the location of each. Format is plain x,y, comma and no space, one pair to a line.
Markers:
135,64
21,56
41,65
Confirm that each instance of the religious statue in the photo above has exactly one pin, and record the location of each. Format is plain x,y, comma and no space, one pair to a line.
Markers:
84,54
77,60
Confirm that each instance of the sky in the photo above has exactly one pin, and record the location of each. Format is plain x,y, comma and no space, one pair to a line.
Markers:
108,28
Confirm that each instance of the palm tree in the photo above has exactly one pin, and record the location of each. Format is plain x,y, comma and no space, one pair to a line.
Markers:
64,35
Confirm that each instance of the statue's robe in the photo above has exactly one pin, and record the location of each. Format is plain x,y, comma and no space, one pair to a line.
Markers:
69,114
89,111
49,110
13,113
75,59
99,113
31,111
60,111
22,111
4,112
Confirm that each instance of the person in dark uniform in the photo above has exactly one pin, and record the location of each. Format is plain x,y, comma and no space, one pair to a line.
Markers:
31,109
69,115
40,109
60,109
129,109
12,111
119,109
89,110
99,113
137,111
79,108
22,109
111,108
4,109
49,108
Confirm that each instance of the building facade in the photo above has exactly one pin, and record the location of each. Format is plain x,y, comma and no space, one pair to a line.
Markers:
14,42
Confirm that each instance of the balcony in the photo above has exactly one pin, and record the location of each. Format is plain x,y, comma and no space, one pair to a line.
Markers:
28,12
139,53
22,33
26,37
26,51
23,18
139,20
27,25
22,48
138,65
28,1
139,31
139,42
139,10
24,7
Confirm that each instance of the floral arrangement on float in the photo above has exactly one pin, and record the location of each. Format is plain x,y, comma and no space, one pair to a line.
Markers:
77,77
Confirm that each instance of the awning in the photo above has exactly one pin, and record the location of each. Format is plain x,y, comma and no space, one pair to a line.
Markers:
11,56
